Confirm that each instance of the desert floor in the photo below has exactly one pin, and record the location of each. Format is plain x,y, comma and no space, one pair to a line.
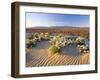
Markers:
42,57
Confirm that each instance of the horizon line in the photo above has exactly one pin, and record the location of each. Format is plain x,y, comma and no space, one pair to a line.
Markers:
58,26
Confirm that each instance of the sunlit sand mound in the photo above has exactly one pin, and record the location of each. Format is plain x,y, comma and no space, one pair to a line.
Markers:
44,58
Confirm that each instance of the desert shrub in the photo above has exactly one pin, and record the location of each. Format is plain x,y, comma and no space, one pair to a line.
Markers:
54,40
42,35
36,35
80,40
47,36
53,49
47,33
64,43
30,44
83,48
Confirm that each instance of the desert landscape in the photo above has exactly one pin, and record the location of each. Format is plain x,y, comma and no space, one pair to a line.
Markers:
57,46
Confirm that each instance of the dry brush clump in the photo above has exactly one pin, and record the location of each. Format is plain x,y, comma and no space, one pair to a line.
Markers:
54,49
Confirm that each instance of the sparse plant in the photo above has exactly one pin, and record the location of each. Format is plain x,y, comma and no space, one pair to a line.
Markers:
42,35
53,49
47,36
30,43
80,40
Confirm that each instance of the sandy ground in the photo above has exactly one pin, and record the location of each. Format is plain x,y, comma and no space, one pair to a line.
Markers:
43,58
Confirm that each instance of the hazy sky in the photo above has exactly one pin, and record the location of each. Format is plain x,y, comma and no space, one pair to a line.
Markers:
47,20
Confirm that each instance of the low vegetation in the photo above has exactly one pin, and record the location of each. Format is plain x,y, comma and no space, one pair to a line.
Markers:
54,49
57,41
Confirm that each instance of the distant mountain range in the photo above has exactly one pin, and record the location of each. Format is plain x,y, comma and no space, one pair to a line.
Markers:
42,27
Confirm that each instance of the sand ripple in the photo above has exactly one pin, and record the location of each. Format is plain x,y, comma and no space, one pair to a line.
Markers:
43,58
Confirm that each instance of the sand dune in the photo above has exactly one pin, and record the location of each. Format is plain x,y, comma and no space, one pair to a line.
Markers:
44,58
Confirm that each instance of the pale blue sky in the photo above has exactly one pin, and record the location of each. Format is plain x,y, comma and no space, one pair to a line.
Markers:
47,20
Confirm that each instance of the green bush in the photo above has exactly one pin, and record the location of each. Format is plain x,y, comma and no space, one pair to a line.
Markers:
53,49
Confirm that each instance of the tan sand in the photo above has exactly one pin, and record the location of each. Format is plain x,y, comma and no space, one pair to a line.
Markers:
44,58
